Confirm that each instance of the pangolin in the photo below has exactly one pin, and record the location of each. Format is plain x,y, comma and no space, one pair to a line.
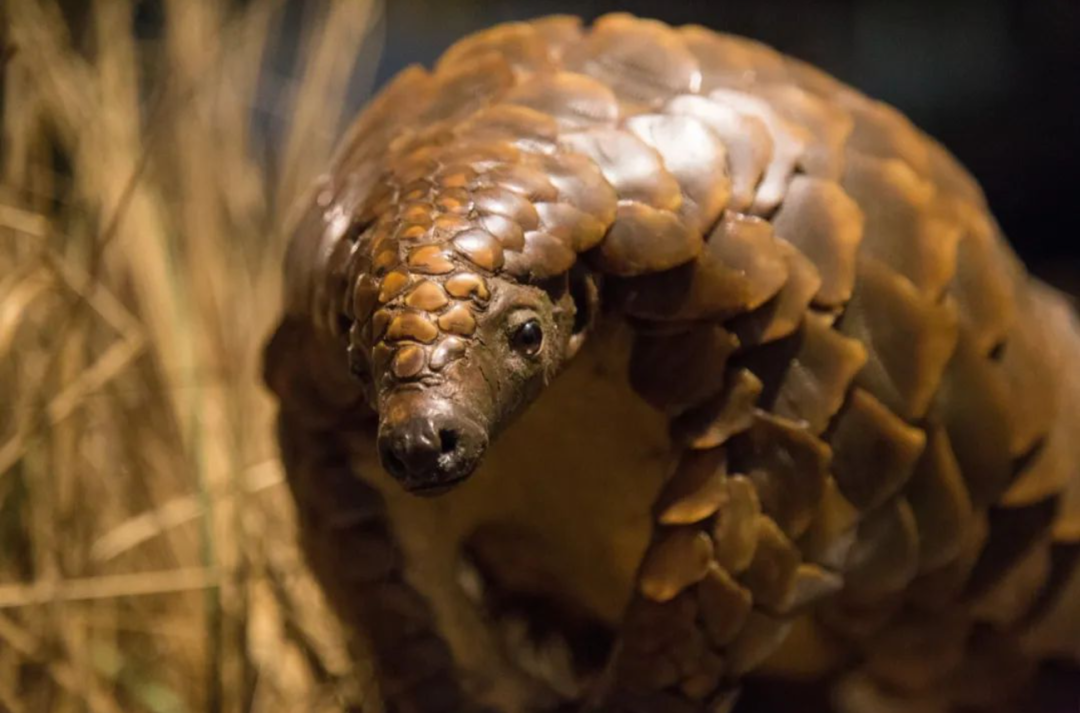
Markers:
744,379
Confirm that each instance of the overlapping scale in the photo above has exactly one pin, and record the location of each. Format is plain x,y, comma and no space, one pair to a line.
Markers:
526,128
735,530
575,228
467,86
510,235
573,100
678,559
526,178
1048,472
973,404
811,584
677,371
1013,533
789,141
1052,467
754,261
646,240
909,335
740,268
633,168
940,502
788,467
1033,392
580,183
748,143
826,225
696,489
820,374
544,256
1015,590
644,62
885,557
720,417
906,226
695,157
786,311
883,132
558,32
725,605
759,638
939,589
771,573
875,452
502,201
730,61
829,125
985,283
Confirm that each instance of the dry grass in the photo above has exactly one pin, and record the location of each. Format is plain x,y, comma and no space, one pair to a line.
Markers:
147,560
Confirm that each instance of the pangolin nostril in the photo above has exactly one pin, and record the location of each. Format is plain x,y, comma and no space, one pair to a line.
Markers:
448,439
427,444
391,461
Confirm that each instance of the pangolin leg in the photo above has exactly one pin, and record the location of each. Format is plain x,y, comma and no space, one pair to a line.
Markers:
347,537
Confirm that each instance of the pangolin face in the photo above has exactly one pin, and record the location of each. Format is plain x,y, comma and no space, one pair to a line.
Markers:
451,342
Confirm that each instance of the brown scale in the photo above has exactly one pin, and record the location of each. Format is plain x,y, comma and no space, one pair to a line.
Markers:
874,413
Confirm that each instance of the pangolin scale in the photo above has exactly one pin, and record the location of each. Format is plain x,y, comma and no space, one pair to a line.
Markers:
816,420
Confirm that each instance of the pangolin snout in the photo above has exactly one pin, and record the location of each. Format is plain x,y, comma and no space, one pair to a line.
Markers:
429,446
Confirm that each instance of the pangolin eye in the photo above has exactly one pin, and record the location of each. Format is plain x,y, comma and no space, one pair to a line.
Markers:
527,338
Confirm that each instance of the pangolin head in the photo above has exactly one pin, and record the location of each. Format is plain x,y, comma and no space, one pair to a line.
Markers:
467,286
467,298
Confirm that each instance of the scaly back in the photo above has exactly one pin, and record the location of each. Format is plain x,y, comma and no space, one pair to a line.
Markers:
814,285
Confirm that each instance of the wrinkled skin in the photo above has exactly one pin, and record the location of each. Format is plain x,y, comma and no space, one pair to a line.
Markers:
814,420
432,434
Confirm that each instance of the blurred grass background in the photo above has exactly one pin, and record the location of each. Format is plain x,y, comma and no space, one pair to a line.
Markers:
149,153
147,560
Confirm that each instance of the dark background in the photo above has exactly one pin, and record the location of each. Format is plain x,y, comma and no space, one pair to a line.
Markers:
997,81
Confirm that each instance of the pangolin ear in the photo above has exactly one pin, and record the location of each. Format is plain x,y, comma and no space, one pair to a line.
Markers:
585,295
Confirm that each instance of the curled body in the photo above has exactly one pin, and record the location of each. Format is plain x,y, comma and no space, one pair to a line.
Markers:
689,353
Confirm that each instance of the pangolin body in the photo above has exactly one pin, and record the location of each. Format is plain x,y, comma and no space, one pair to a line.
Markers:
786,315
